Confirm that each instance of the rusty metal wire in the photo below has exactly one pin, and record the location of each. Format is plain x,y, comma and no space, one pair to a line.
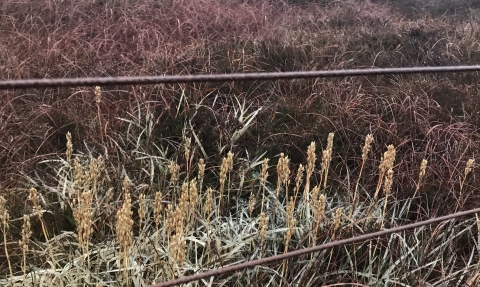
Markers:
150,80
271,259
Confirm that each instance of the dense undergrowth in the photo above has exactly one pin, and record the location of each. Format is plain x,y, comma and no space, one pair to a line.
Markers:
140,131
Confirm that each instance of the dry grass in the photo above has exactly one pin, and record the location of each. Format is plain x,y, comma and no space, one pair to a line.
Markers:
163,137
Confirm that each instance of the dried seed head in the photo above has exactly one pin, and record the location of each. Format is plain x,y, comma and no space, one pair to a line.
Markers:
320,208
4,215
174,170
262,227
79,177
125,221
251,204
264,174
201,168
311,157
126,185
178,249
423,168
170,220
33,197
26,233
187,145
468,166
69,151
283,169
193,196
230,161
98,94
366,147
157,208
299,177
208,208
201,174
337,220
387,188
290,222
223,173
314,197
95,169
327,157
83,216
388,159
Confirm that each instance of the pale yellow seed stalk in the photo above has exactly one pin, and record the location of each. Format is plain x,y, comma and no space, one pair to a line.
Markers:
468,169
326,159
423,168
290,230
468,166
201,174
98,100
170,220
157,209
229,169
320,211
79,179
251,204
263,179
98,94
142,209
5,221
311,158
365,150
124,226
290,222
421,175
262,228
95,169
178,243
174,170
387,188
34,199
298,180
26,234
193,198
177,251
336,222
319,214
387,163
208,208
69,151
223,177
187,148
314,197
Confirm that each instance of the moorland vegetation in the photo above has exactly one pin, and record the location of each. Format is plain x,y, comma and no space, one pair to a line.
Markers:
131,185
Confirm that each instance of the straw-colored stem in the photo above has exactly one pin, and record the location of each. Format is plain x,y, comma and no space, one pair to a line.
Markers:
4,229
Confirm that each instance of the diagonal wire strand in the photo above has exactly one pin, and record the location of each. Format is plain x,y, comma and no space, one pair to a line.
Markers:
150,80
275,258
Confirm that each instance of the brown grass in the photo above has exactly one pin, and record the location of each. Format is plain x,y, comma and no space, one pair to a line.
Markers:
432,117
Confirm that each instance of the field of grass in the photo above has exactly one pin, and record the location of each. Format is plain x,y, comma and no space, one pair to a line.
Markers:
131,185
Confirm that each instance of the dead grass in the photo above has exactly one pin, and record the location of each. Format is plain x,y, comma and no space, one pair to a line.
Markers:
424,116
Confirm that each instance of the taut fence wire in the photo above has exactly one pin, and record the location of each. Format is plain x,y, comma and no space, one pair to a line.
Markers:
296,253
151,80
